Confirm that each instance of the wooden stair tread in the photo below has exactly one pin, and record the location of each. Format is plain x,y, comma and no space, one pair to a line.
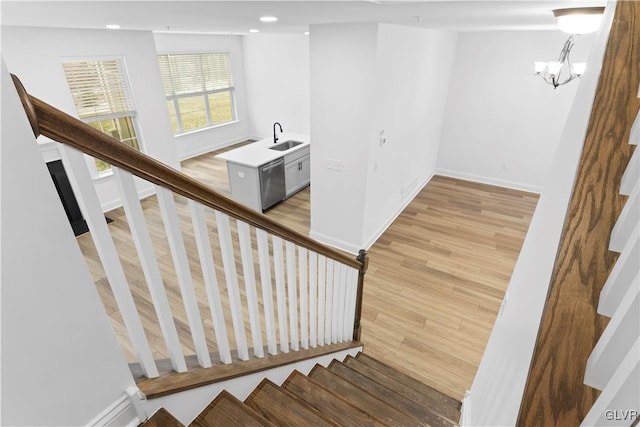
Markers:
162,418
406,386
226,410
402,403
329,404
283,408
407,380
360,391
361,399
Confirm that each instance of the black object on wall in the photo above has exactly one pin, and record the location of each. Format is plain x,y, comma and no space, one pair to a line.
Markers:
61,181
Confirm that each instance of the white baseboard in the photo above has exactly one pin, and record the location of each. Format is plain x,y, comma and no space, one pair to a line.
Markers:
204,150
491,181
122,412
465,410
336,243
259,137
375,236
354,249
114,204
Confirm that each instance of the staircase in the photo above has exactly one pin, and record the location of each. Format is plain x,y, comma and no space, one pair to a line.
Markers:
314,309
360,391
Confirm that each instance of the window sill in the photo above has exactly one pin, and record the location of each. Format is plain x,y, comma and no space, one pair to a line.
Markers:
196,131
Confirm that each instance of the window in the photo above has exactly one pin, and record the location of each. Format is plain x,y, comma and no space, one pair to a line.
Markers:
198,90
103,100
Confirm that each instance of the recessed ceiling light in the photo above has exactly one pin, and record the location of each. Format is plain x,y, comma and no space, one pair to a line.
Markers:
268,19
306,33
113,26
254,30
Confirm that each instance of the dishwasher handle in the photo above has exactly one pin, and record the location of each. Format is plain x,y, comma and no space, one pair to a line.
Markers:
272,165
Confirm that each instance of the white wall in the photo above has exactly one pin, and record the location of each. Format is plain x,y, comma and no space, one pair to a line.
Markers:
203,141
413,69
497,389
277,80
342,69
61,364
502,123
35,55
365,79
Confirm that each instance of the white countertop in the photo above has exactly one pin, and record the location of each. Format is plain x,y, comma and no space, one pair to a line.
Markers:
258,153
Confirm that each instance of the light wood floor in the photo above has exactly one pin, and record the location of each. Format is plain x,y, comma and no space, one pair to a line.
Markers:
435,282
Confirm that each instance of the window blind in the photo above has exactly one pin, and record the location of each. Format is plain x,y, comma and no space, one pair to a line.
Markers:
184,74
98,87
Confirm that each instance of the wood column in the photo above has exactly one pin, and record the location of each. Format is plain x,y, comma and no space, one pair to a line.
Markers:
555,394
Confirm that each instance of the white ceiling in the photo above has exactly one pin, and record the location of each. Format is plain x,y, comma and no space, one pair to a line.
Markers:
237,17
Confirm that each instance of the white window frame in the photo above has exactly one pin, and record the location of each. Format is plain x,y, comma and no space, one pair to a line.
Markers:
205,93
131,113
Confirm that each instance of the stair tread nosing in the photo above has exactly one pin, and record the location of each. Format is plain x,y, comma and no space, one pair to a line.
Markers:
226,410
361,399
402,403
405,385
162,418
330,405
283,408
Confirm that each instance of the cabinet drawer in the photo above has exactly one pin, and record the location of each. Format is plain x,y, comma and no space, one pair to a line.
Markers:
298,154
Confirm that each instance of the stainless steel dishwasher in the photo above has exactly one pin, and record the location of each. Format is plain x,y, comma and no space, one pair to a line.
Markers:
272,185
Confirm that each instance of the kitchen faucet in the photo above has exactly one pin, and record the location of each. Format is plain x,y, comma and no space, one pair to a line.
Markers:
275,138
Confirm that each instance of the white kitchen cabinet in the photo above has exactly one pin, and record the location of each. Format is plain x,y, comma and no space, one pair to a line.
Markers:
243,165
245,185
297,171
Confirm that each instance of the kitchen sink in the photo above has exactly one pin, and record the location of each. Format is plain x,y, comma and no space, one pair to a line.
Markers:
283,146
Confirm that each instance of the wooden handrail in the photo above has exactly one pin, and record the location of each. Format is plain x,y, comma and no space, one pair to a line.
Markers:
364,261
555,393
59,126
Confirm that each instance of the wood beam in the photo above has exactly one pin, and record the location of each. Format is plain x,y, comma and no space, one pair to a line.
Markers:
570,326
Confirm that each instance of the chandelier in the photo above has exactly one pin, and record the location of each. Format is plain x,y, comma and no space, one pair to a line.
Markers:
562,71
574,21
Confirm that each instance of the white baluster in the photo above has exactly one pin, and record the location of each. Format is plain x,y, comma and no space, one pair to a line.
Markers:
618,402
231,277
203,243
246,252
304,312
622,273
615,341
90,205
293,294
267,292
631,174
322,295
343,303
149,264
180,261
353,295
634,135
335,316
627,220
278,264
313,299
328,312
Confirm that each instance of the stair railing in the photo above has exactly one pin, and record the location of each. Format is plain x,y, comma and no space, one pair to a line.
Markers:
320,294
614,364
